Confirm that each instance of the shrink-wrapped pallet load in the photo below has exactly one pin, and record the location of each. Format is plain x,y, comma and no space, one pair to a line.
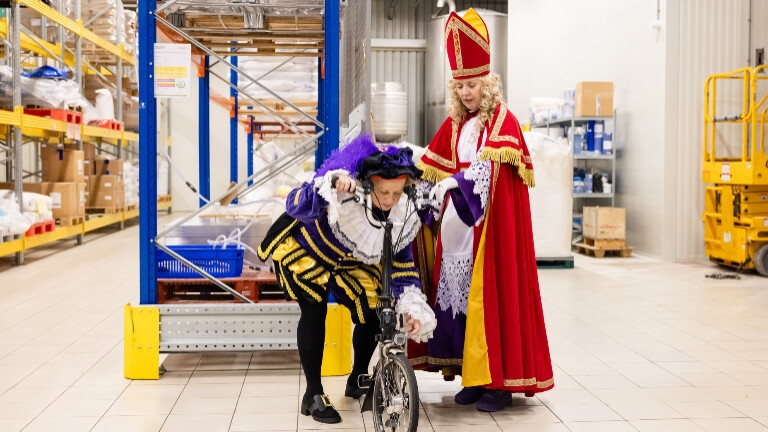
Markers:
552,198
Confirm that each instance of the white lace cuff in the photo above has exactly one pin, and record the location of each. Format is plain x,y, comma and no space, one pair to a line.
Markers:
324,189
479,172
413,302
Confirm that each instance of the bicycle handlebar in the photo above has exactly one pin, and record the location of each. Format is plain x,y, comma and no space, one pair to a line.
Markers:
420,199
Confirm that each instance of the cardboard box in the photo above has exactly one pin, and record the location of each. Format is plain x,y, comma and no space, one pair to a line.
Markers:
594,99
106,191
33,21
106,165
62,165
605,223
25,187
131,115
89,152
68,199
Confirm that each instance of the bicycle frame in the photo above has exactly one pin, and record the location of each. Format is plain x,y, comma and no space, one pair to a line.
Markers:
391,340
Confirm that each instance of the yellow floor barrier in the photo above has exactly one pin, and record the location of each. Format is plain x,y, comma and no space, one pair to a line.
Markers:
337,356
141,345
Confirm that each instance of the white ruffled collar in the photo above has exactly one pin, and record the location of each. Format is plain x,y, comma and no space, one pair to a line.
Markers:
364,240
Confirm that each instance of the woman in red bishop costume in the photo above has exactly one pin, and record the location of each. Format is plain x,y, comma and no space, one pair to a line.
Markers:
490,324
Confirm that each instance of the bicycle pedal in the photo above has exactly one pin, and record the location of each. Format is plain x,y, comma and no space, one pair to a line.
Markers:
364,380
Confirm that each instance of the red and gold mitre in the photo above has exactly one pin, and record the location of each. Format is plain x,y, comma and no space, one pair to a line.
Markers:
468,45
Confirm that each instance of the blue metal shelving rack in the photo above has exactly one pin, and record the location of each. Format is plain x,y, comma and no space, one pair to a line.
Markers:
328,114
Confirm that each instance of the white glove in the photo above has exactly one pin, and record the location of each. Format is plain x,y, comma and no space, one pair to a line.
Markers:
437,194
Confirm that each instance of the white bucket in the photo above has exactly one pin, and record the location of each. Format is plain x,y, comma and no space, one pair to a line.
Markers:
389,107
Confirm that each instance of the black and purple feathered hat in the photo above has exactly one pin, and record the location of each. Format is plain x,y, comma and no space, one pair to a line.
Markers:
364,159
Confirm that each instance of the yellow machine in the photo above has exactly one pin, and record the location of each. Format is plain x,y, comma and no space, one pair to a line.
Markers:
736,198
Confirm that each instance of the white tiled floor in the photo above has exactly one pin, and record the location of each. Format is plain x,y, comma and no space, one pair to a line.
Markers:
637,345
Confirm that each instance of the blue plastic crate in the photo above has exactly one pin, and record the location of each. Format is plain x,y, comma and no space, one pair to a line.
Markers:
215,261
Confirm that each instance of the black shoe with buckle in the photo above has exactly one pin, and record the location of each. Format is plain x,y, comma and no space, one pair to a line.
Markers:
357,389
321,409
355,392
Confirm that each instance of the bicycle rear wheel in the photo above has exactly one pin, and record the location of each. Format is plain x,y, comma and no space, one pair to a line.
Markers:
395,396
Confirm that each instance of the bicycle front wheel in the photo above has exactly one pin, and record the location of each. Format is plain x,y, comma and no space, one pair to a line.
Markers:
395,396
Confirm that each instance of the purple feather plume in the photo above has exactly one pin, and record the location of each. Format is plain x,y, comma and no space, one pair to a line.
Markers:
350,157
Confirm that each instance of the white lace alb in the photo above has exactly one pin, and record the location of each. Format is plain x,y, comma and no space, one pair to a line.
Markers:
455,278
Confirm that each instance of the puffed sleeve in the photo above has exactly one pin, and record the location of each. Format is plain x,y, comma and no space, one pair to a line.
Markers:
404,271
304,203
471,197
406,287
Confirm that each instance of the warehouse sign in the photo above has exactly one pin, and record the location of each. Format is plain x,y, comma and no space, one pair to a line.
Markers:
172,65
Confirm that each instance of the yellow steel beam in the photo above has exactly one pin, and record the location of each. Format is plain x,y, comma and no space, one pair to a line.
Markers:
11,247
131,214
99,132
77,28
101,222
130,136
57,234
11,118
33,44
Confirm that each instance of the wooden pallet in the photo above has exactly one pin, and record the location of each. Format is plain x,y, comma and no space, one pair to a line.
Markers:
257,286
102,210
600,248
163,198
220,32
554,263
70,221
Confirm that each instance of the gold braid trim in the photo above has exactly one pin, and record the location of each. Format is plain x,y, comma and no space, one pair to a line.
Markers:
432,174
510,156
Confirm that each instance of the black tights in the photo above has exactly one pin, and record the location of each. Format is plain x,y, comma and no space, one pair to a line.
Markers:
311,341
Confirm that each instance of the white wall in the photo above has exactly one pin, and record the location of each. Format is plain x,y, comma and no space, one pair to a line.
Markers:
710,36
553,44
184,127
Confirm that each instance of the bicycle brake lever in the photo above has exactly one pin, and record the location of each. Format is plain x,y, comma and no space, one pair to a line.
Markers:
354,198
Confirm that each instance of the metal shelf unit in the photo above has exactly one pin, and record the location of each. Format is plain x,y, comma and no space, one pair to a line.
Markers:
21,126
221,40
585,159
143,340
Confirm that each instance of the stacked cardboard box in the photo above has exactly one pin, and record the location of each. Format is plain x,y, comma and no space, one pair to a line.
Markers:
64,180
105,186
594,99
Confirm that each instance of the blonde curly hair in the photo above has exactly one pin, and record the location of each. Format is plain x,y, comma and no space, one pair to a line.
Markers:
490,86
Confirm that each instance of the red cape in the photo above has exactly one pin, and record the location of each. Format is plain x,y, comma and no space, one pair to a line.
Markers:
506,343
